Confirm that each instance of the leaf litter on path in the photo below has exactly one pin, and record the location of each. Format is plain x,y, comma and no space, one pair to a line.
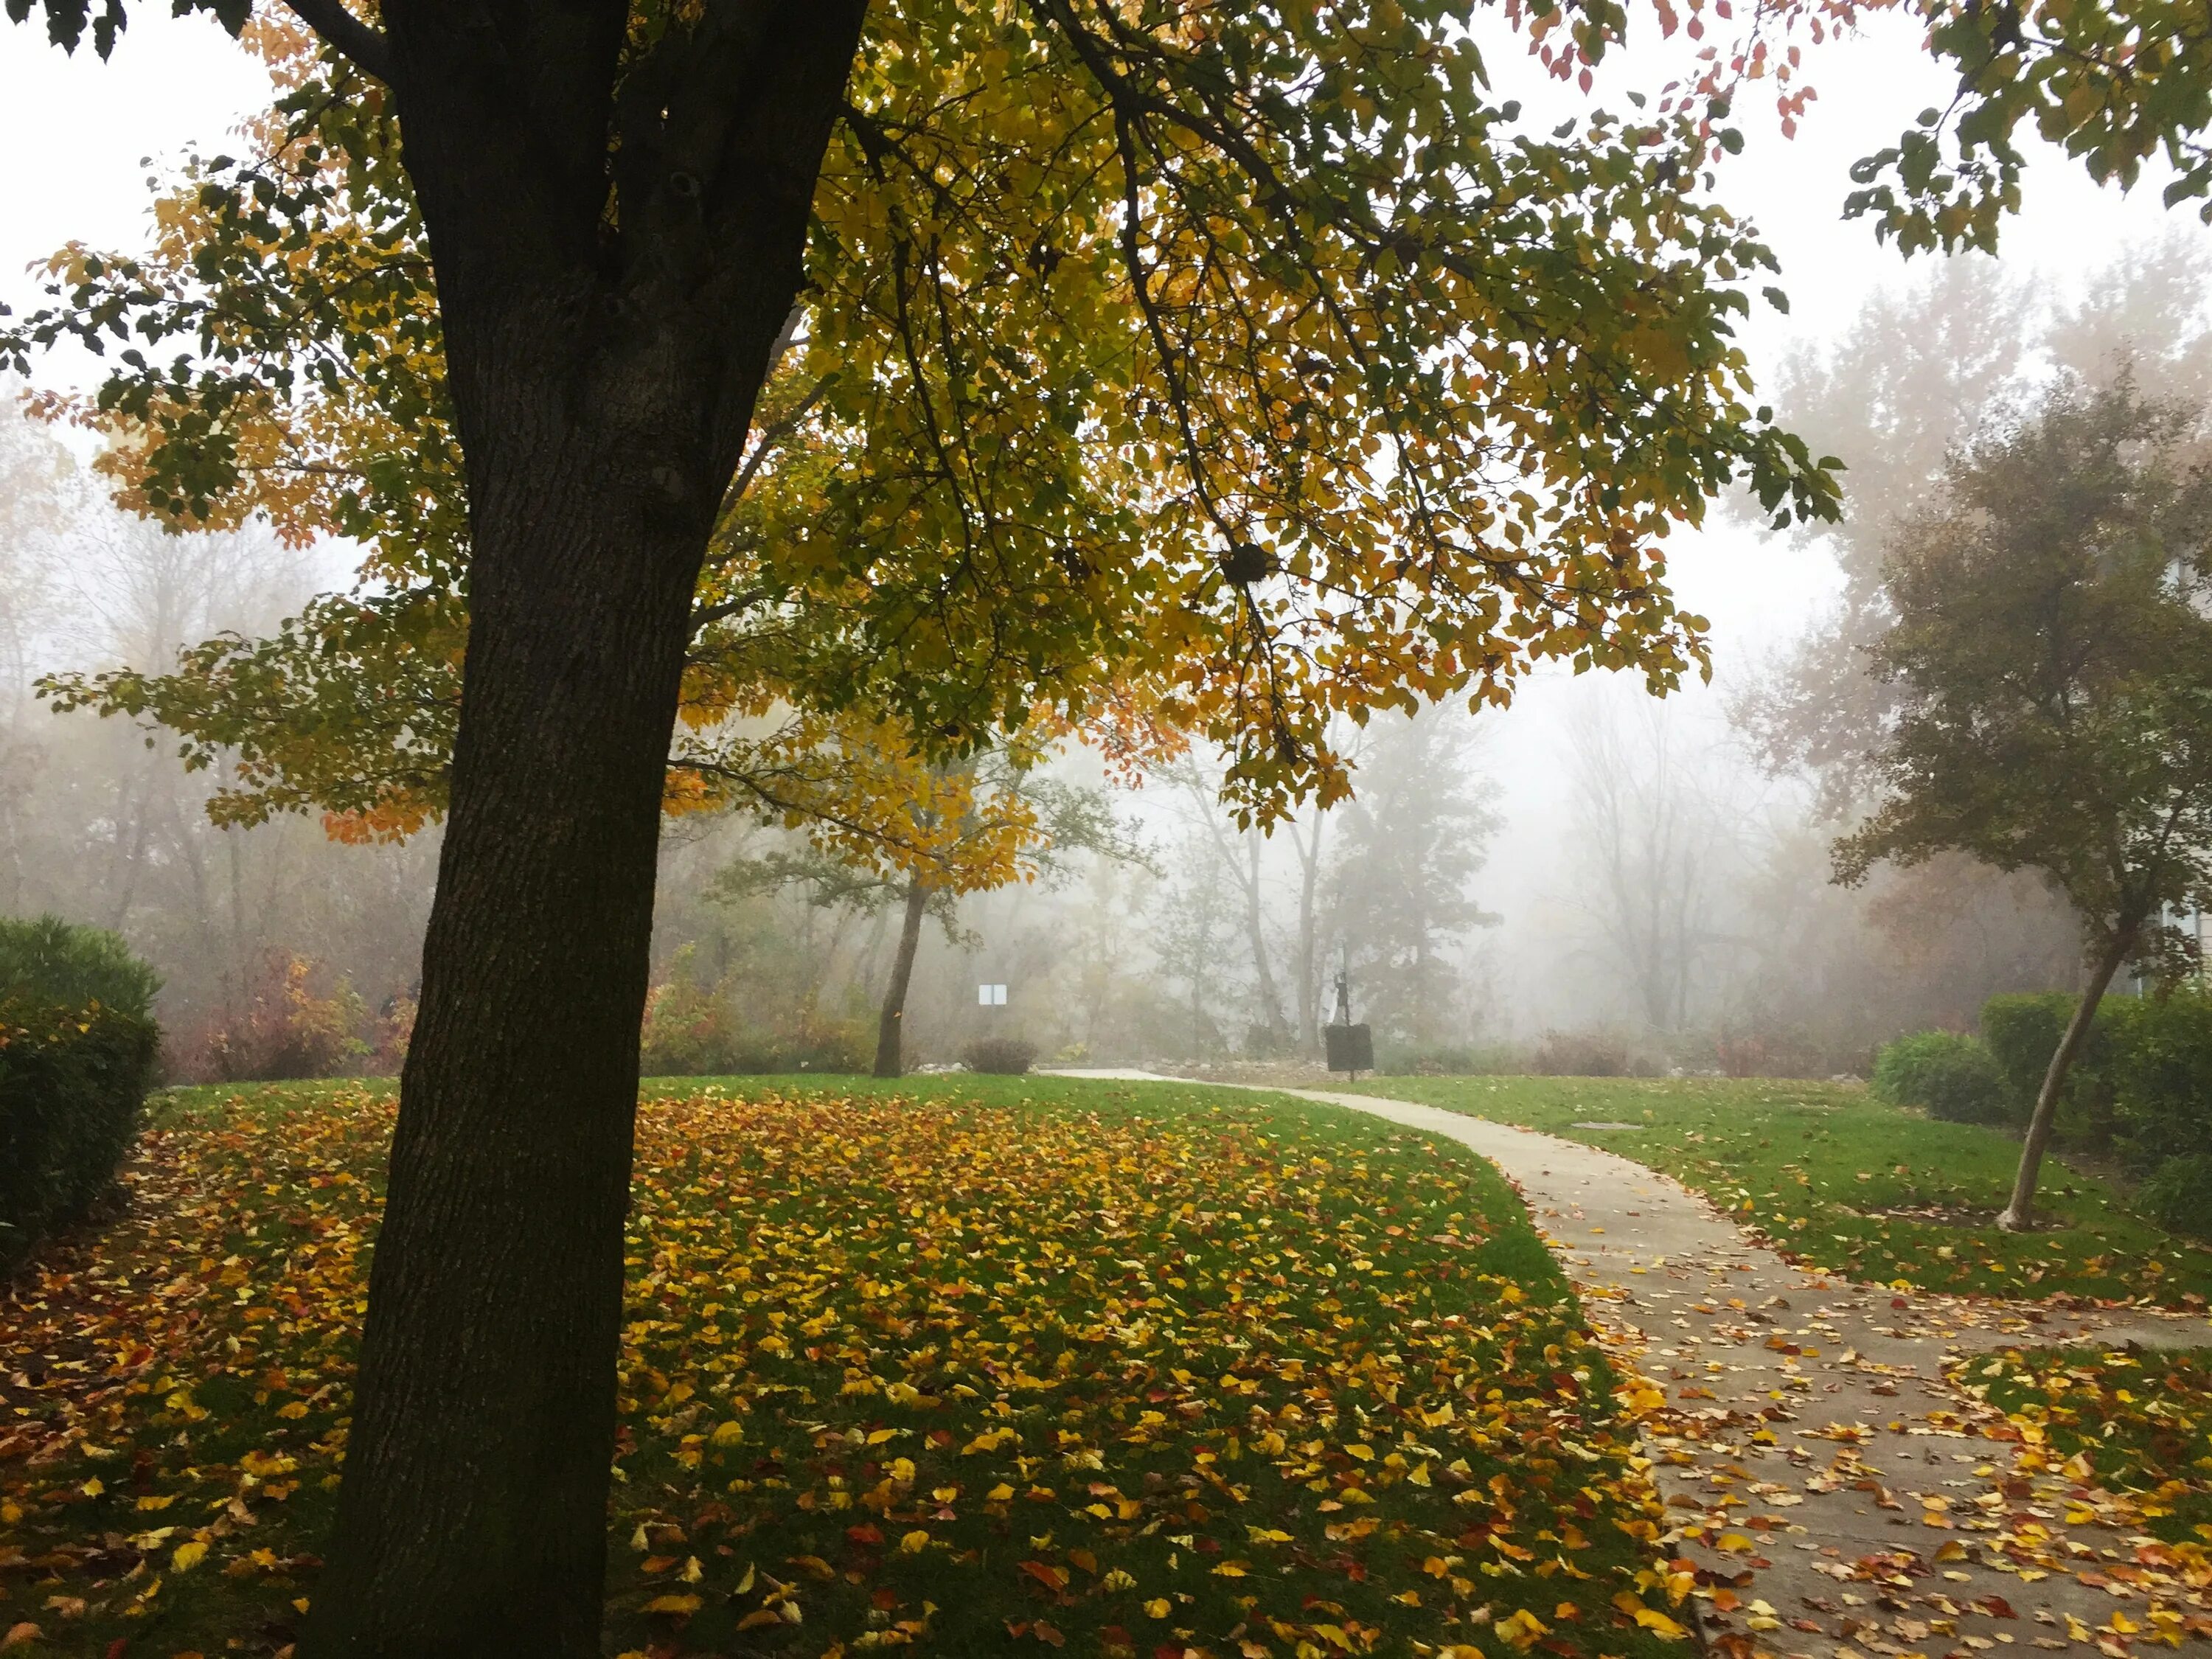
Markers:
1835,1486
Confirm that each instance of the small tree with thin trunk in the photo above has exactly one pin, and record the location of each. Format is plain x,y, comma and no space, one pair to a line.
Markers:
2052,651
936,833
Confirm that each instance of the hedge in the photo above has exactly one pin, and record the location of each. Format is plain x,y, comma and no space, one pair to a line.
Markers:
2142,1084
77,1044
72,1082
47,960
1948,1076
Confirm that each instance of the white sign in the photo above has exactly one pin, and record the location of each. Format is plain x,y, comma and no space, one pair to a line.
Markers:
991,996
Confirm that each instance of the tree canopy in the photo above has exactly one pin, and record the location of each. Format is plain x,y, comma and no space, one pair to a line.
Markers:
1365,433
2053,656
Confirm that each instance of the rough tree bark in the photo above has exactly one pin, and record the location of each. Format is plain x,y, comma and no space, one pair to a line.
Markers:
603,388
2020,1214
891,1060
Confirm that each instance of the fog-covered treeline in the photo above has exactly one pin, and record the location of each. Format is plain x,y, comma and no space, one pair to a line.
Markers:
1589,880
99,823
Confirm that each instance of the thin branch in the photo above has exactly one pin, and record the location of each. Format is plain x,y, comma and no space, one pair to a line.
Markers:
347,35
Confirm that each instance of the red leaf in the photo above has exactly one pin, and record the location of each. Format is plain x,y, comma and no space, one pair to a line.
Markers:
1051,1577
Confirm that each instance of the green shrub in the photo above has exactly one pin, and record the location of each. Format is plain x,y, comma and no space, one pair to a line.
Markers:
72,1083
1947,1075
2023,1032
999,1056
2179,1194
2160,1071
46,960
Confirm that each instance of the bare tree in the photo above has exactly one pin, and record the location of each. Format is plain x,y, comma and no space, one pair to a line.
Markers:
1653,846
1239,856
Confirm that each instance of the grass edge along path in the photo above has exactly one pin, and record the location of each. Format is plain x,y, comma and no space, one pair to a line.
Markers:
1837,1181
980,1366
2139,1420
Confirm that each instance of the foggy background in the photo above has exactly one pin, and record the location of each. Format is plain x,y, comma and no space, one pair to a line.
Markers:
1589,880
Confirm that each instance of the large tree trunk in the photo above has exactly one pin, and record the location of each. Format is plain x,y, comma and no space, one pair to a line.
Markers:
890,1027
474,1513
602,395
2020,1214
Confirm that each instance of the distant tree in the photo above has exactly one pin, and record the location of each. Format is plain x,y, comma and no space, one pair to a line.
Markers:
1412,841
1237,855
975,827
1196,924
2052,660
1922,363
1890,396
1652,854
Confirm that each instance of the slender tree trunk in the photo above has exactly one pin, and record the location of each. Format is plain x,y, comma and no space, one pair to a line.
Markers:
1309,999
602,394
2019,1214
1255,933
890,1028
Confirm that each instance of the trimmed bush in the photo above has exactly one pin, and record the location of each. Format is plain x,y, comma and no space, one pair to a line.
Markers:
2178,1195
72,1082
2161,1069
999,1056
1947,1075
46,960
2022,1033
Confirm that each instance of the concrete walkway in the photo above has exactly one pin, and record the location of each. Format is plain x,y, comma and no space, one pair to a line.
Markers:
1839,1496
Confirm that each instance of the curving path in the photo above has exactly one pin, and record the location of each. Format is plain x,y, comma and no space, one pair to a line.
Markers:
1839,1498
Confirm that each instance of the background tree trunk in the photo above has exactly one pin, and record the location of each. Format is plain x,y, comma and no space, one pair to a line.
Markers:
890,1027
1255,934
2020,1214
1308,943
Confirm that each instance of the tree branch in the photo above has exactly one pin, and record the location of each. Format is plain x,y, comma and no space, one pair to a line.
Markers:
347,35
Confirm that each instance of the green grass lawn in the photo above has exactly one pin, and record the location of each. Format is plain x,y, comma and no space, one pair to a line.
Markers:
971,1366
2143,1420
1849,1185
